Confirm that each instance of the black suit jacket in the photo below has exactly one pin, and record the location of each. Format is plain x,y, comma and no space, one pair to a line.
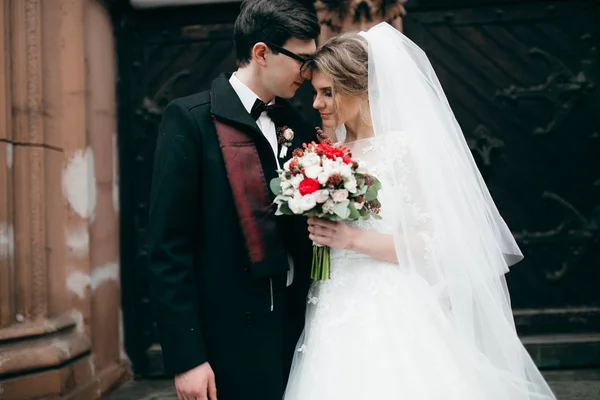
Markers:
208,305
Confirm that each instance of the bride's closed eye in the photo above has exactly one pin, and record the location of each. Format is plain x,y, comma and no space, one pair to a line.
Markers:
326,93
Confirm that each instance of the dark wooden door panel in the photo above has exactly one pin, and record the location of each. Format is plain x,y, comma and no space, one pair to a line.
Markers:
162,57
523,82
522,77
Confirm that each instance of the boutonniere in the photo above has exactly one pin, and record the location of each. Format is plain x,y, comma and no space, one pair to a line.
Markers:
285,136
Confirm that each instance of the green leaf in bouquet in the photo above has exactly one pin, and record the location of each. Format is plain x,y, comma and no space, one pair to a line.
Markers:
275,186
281,199
354,214
371,194
341,210
373,190
360,182
377,184
376,216
284,209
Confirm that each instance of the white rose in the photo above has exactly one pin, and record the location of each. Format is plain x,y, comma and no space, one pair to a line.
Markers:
288,192
344,169
321,196
329,168
300,204
309,202
323,177
328,206
288,134
328,164
350,184
285,184
313,171
339,195
295,180
310,159
295,206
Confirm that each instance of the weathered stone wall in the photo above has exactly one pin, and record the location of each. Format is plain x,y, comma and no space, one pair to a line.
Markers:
59,269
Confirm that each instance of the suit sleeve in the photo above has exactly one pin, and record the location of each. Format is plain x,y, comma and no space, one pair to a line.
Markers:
172,240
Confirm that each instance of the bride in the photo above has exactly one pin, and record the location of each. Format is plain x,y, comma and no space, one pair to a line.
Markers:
417,306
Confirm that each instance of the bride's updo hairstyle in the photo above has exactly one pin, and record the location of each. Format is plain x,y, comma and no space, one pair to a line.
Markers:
345,60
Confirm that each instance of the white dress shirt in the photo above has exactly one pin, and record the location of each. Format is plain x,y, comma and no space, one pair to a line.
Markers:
267,127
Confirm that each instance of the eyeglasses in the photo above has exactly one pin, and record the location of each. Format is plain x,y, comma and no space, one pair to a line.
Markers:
305,62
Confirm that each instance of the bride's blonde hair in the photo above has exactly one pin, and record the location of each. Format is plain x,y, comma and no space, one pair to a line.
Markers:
345,60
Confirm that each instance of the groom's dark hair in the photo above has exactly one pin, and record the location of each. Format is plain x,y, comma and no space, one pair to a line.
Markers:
274,21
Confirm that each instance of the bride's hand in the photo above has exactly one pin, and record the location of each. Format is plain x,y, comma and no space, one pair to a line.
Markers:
337,234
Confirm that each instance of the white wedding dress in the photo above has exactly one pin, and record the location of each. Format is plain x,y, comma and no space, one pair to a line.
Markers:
437,325
376,331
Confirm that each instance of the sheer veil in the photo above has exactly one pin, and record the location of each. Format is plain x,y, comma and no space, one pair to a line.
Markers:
447,227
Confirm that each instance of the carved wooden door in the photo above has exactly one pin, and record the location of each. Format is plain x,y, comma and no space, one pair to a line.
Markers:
164,54
522,78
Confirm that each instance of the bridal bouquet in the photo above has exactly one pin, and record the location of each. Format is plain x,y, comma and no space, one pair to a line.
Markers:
325,181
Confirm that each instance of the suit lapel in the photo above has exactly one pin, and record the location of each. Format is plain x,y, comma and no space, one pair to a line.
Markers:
227,107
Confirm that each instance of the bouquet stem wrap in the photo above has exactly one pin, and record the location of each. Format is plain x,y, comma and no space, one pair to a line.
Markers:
321,262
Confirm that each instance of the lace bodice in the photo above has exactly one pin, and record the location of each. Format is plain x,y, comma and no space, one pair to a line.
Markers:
366,152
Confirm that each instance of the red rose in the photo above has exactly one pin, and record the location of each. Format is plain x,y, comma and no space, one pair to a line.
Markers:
335,153
347,160
308,186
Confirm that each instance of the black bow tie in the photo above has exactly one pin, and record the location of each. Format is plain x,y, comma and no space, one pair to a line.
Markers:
259,107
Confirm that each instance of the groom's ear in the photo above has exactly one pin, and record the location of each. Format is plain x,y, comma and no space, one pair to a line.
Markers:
259,52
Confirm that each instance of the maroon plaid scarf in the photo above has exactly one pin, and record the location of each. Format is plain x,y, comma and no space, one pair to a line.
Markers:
253,201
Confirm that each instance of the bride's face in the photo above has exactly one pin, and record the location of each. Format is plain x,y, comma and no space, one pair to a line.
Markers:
334,109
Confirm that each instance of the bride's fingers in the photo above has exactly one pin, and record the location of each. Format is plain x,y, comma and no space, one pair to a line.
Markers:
322,240
332,226
321,222
315,220
319,230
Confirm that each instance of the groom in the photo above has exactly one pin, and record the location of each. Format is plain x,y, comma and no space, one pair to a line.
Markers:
228,279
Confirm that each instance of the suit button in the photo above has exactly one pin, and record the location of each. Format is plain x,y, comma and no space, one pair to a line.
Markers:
248,317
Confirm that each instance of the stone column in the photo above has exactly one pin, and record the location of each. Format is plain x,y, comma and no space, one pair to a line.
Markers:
59,292
38,328
337,16
106,333
7,243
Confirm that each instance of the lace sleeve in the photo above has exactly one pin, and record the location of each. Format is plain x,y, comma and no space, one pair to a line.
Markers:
411,221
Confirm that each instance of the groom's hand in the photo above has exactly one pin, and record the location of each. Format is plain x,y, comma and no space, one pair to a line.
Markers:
196,384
